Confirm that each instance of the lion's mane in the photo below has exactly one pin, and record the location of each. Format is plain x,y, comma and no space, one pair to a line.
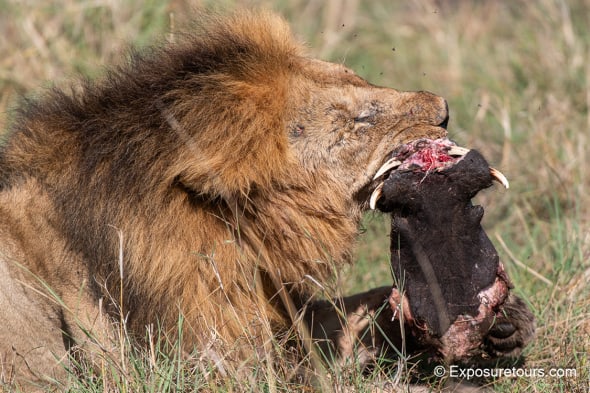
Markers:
178,161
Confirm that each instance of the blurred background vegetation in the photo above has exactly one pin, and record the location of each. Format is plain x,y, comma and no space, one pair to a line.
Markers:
516,75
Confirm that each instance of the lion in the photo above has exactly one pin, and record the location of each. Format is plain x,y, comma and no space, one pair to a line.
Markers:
218,178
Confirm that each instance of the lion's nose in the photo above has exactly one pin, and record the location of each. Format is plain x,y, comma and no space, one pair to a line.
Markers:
439,109
427,107
445,121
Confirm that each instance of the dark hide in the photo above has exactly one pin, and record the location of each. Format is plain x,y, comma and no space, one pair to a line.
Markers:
440,255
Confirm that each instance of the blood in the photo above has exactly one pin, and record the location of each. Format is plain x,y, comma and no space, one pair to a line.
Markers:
427,155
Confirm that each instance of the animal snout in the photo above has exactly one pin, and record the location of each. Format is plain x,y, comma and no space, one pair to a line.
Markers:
438,108
445,115
429,107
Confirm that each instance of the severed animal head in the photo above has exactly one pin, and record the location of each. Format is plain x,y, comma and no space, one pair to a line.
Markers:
450,284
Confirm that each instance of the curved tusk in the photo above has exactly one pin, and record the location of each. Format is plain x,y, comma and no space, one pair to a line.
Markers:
499,177
390,164
375,196
457,151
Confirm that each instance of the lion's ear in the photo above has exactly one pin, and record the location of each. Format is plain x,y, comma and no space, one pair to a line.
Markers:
241,142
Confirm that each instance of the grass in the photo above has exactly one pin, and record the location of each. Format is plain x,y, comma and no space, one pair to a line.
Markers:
517,79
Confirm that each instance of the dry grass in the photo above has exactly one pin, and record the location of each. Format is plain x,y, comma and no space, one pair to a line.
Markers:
517,79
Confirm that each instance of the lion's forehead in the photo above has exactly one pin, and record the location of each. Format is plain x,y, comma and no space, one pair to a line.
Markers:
330,74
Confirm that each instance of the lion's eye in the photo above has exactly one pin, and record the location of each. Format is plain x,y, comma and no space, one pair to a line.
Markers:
365,117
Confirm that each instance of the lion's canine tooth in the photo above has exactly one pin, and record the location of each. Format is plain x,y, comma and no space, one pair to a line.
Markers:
375,196
457,151
499,177
390,164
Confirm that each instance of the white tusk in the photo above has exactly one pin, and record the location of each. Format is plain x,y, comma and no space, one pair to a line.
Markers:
457,151
499,177
375,196
390,164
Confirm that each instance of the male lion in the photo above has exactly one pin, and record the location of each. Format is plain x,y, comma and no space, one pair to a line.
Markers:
217,177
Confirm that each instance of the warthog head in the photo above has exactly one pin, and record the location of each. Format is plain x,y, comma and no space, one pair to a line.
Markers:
450,283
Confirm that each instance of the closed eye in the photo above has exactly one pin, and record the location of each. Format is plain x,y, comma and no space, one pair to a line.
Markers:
363,119
366,116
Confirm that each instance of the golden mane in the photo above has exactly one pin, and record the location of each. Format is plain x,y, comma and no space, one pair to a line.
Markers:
183,149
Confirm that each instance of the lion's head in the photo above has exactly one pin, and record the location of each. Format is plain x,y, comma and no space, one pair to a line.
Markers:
287,119
342,125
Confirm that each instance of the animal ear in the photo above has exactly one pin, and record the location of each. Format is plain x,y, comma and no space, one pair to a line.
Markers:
241,142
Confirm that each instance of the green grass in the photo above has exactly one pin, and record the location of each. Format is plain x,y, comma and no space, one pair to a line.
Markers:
517,78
